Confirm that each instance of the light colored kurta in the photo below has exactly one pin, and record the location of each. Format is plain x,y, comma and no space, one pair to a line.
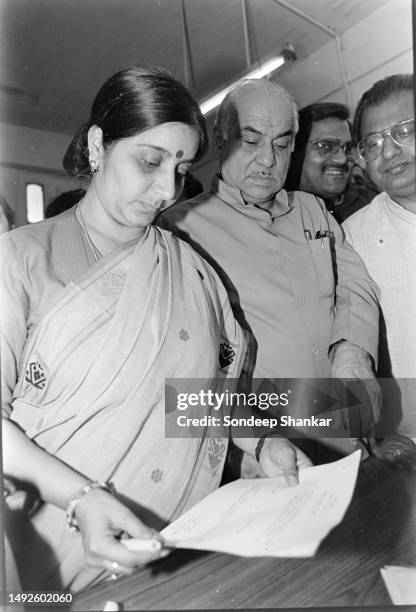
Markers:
384,234
280,284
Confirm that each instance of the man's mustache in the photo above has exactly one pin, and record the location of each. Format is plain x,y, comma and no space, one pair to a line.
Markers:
344,167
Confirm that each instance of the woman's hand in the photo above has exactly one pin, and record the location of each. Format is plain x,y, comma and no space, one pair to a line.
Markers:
101,517
102,520
279,457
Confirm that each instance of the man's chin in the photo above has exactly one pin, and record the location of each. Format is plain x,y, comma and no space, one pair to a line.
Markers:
333,192
260,193
259,200
331,195
402,191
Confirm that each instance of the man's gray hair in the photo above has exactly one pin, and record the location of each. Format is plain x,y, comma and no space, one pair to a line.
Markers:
223,119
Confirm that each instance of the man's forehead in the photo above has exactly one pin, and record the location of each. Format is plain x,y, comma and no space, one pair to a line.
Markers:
262,110
396,108
331,127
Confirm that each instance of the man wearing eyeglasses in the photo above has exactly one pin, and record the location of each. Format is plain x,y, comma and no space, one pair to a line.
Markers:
384,232
297,288
323,160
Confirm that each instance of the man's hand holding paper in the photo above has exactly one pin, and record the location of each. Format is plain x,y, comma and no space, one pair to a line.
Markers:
265,517
279,457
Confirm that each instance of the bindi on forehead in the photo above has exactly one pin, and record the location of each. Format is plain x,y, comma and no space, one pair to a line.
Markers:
179,154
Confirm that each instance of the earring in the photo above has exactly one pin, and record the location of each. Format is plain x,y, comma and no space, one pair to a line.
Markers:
93,166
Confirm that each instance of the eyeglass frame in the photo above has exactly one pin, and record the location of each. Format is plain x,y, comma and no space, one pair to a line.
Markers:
339,143
383,134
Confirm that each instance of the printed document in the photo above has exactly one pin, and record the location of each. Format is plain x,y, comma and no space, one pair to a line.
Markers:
263,517
401,584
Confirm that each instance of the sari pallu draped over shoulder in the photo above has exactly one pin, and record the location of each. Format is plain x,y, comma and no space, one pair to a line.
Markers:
91,388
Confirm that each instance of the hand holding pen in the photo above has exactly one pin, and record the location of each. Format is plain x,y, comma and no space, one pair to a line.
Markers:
151,545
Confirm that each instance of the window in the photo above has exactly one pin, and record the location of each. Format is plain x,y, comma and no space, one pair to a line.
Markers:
35,207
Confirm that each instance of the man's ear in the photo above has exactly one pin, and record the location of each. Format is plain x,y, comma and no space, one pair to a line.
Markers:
95,143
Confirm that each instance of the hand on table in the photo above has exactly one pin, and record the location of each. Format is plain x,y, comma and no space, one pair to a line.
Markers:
397,450
102,520
279,457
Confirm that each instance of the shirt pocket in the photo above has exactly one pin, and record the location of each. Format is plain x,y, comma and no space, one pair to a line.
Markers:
320,249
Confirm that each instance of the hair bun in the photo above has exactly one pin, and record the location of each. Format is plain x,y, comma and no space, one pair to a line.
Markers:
75,160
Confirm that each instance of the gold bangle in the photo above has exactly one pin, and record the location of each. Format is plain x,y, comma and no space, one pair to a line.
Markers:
75,499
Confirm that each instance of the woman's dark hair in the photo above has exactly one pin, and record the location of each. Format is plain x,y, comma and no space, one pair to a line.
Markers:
64,201
7,210
130,102
378,93
307,117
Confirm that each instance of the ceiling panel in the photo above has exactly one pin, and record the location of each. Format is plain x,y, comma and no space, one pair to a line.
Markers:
56,53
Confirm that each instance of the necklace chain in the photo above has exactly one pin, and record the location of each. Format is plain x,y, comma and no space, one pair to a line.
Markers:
95,252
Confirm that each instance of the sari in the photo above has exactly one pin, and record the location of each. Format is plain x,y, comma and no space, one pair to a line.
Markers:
91,390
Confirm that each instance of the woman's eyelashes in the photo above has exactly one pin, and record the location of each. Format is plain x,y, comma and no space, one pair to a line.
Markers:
150,162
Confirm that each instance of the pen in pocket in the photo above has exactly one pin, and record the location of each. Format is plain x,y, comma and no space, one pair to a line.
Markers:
322,235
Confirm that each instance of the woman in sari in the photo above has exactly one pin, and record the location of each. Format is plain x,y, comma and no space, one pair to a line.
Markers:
99,308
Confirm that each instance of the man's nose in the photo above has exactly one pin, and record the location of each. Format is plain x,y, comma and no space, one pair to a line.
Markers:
390,148
340,158
266,155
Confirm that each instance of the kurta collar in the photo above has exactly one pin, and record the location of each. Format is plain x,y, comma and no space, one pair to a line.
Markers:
232,197
397,209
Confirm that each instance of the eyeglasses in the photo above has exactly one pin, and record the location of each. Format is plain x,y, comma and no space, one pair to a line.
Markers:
402,134
328,147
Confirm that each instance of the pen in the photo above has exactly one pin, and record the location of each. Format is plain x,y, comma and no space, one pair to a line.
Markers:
321,235
152,545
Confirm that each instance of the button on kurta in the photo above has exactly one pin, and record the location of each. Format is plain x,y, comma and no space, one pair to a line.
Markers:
315,350
302,300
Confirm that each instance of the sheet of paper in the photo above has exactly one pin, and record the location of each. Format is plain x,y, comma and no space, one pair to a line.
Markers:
400,583
264,517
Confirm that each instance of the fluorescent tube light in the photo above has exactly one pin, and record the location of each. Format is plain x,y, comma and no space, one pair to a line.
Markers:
267,68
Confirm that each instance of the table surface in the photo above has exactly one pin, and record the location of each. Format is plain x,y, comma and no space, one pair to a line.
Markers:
378,529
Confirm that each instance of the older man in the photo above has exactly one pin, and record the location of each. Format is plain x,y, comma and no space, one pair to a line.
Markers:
384,232
322,161
294,283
